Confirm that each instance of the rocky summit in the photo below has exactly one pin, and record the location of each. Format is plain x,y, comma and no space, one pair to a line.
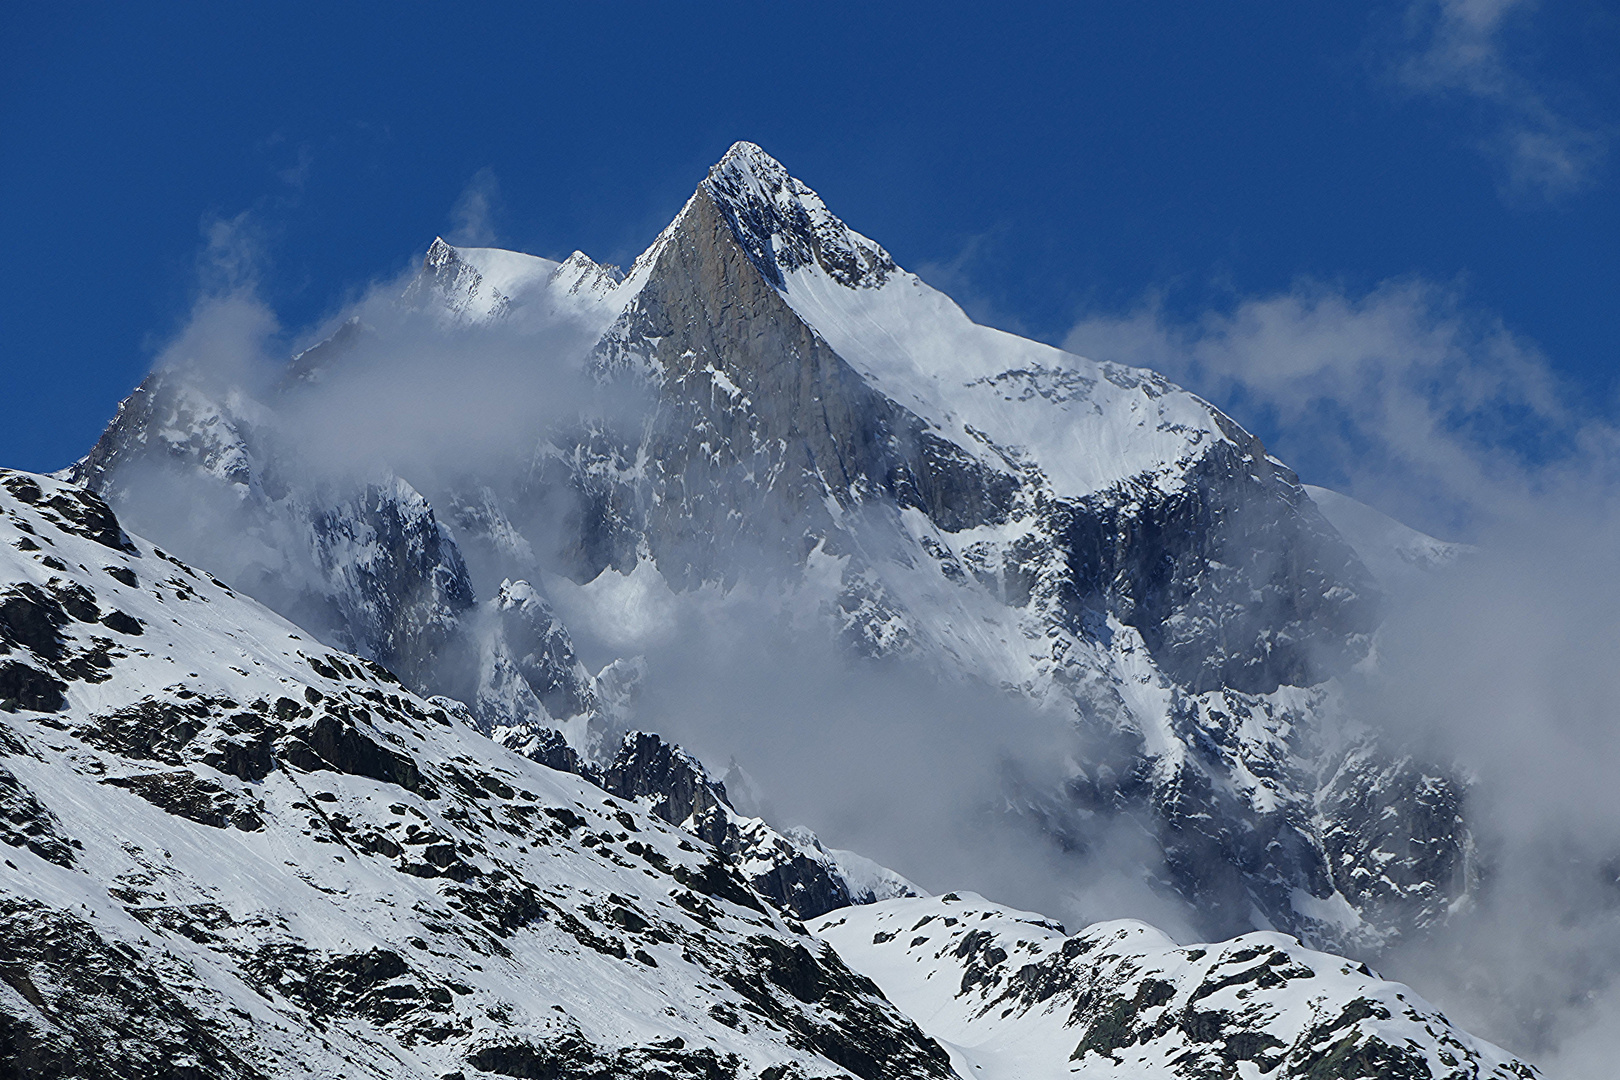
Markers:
367,777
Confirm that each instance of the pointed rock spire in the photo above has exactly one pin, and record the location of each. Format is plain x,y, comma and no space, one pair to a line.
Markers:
449,279
785,227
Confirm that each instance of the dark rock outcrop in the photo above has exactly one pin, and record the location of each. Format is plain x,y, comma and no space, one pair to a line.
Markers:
26,822
790,870
76,1006
675,785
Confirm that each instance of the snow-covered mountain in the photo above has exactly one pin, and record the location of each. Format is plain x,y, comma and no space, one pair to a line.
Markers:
1395,553
823,428
231,851
470,285
1011,995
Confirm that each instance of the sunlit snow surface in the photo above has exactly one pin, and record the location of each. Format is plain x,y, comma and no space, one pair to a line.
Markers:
1083,425
1394,552
508,272
1014,997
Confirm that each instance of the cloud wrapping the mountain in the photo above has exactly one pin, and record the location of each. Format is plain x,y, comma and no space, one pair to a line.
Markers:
1404,397
473,215
879,757
923,772
1505,663
411,394
1507,666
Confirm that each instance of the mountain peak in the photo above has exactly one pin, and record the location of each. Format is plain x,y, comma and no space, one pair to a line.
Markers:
439,253
749,160
785,227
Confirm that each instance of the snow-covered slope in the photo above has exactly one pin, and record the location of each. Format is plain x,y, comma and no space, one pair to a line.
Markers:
232,852
472,285
1392,551
1012,401
1014,997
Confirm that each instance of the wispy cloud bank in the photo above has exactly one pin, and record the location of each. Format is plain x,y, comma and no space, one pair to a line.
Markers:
233,255
926,774
472,218
1405,396
1503,667
1463,49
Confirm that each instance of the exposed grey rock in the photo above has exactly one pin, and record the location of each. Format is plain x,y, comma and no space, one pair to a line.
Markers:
397,583
1235,581
26,822
676,786
751,471
185,794
1410,820
75,1006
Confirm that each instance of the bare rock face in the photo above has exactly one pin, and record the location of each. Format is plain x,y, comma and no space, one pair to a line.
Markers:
783,226
675,785
759,421
1234,582
76,1005
25,822
402,586
283,860
1408,817
232,852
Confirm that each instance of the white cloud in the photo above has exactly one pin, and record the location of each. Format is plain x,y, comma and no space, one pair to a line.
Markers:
296,175
1462,48
1504,666
233,254
472,217
1404,397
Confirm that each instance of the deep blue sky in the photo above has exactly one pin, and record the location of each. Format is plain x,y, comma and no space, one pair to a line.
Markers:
1038,161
